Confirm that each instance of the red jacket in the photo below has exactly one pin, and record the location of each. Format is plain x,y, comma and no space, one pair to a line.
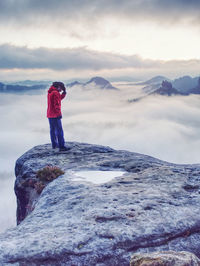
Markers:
54,102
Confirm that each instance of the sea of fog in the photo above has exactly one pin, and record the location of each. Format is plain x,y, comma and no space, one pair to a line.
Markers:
164,127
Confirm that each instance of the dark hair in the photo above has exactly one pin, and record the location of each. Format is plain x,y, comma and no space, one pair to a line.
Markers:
57,84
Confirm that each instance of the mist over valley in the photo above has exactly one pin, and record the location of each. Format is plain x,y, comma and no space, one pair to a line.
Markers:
100,112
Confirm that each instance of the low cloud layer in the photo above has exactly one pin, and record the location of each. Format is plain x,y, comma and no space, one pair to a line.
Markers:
59,59
154,125
164,127
82,59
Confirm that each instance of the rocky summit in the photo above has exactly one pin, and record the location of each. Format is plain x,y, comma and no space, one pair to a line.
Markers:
153,207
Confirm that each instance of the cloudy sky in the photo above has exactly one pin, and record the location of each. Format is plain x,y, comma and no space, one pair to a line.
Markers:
82,38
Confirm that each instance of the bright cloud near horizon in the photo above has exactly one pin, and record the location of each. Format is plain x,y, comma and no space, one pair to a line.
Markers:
113,38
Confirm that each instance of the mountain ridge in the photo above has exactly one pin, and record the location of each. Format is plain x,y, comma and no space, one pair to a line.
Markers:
9,88
97,81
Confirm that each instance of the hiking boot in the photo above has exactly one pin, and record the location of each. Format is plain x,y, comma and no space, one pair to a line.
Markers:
64,149
54,147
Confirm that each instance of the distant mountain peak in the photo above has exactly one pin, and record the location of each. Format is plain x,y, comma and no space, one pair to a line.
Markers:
101,82
98,81
167,89
154,80
74,83
158,79
185,84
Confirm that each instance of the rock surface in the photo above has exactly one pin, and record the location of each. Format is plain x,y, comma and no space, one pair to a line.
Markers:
154,206
165,258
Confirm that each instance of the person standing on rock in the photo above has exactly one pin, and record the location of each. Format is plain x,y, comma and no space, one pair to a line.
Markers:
54,115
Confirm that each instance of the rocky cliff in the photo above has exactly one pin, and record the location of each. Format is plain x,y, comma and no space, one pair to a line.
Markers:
153,206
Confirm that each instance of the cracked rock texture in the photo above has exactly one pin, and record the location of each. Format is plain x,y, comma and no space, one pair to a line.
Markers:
165,258
153,207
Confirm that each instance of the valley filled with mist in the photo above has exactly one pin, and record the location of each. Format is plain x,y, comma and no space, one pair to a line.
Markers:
165,127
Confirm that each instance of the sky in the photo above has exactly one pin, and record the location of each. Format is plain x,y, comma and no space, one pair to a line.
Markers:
115,39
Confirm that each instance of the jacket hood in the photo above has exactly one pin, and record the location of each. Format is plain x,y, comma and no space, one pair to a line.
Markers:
52,88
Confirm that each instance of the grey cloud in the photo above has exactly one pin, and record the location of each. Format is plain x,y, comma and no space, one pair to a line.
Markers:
80,59
64,10
65,59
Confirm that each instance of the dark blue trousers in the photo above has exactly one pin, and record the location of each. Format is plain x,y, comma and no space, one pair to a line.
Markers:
56,133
